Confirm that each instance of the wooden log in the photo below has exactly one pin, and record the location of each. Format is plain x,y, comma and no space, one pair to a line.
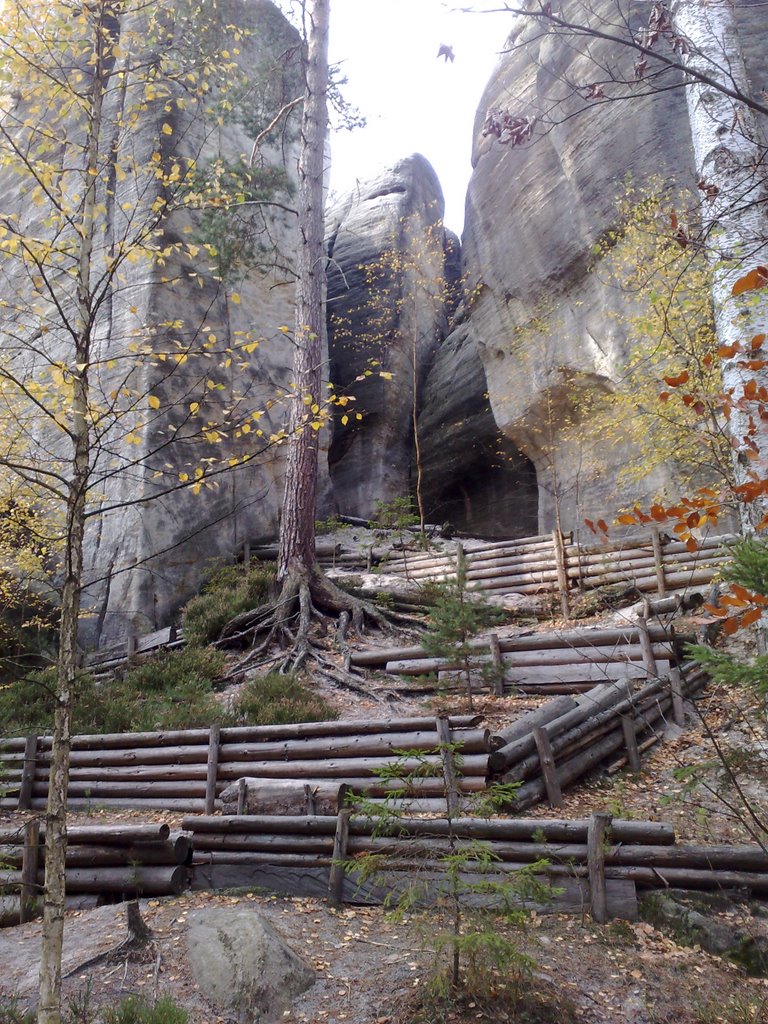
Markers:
121,834
214,747
251,841
496,829
598,827
649,654
561,566
548,712
658,558
130,881
690,878
340,839
344,768
548,767
28,774
676,693
97,791
470,741
246,733
497,683
597,699
283,796
630,742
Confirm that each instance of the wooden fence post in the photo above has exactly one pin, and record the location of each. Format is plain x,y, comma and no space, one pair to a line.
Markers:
629,731
449,766
336,877
29,863
658,557
213,769
242,795
649,661
596,834
28,773
548,767
497,681
676,690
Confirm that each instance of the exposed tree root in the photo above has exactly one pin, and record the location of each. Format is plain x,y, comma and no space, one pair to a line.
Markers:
306,598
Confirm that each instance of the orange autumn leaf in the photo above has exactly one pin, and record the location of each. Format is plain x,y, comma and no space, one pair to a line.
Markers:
751,616
675,382
756,278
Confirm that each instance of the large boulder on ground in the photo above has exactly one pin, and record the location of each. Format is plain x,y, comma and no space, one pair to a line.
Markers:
242,965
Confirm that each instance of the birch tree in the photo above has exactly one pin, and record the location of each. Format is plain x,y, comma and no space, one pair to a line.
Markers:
93,169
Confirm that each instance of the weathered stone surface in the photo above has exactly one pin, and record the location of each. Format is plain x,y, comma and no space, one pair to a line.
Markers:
150,539
242,965
713,921
474,477
388,302
542,322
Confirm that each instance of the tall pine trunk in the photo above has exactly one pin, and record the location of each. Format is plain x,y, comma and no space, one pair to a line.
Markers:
297,525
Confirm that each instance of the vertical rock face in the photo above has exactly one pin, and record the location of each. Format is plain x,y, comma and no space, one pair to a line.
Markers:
389,295
238,300
542,319
189,358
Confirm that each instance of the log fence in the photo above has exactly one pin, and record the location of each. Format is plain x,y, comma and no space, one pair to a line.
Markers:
100,860
648,563
188,770
601,852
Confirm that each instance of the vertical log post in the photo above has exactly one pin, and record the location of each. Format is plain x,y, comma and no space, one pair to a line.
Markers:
449,767
336,877
596,835
630,742
213,768
246,555
28,773
29,864
548,767
131,644
562,571
497,680
676,690
649,661
658,557
242,791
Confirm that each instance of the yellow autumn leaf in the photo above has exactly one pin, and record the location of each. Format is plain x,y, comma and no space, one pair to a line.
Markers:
154,402
235,298
166,129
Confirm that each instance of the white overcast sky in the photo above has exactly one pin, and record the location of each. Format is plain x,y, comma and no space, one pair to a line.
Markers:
413,102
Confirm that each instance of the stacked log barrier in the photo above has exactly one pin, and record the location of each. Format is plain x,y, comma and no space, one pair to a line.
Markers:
648,563
101,860
602,722
569,661
186,771
643,854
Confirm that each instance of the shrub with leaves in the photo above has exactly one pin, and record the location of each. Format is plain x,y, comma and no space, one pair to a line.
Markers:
228,591
275,699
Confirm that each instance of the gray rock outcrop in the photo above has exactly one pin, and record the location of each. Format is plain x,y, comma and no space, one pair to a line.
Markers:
542,322
243,966
390,291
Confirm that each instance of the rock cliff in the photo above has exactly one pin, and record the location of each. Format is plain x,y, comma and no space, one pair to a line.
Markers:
391,277
542,317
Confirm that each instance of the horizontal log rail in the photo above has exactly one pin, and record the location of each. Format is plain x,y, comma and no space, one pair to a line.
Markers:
188,770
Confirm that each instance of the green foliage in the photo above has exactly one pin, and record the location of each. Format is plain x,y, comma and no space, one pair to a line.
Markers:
748,571
329,525
459,905
666,401
275,699
455,617
11,1012
136,1010
172,690
228,591
397,514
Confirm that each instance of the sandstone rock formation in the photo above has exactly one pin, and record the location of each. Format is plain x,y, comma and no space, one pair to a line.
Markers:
189,360
541,320
389,297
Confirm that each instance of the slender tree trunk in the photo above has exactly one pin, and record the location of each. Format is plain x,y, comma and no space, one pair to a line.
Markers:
49,1001
731,170
297,525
